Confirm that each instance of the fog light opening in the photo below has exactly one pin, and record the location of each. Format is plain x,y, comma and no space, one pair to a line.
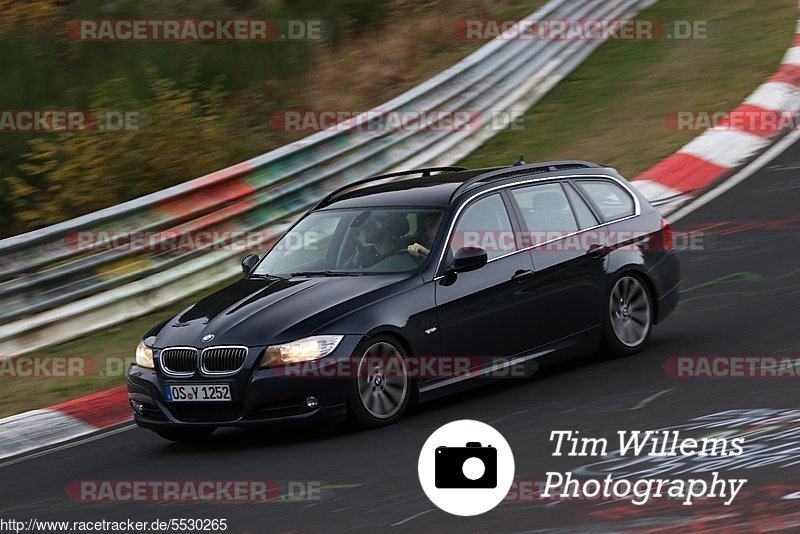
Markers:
312,403
137,407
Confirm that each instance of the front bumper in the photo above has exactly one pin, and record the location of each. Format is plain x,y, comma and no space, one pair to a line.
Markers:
258,396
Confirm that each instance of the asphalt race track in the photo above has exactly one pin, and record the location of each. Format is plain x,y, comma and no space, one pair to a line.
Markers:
741,297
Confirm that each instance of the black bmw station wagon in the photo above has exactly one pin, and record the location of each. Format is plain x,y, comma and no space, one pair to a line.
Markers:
508,267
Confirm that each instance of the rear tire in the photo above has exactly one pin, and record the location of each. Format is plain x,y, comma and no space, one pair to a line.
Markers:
627,316
379,393
185,435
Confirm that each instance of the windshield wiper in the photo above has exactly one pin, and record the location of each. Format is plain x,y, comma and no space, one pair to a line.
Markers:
264,276
327,273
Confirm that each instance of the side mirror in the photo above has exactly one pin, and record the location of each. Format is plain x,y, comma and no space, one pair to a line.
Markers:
468,259
249,263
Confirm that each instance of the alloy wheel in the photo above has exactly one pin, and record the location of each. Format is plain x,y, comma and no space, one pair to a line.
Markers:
629,309
382,380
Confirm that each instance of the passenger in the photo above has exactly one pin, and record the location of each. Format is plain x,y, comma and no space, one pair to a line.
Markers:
431,225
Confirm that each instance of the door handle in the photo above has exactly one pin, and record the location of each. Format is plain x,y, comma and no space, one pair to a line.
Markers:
521,275
596,250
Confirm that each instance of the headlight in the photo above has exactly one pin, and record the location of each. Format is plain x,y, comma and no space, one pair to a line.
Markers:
144,355
303,350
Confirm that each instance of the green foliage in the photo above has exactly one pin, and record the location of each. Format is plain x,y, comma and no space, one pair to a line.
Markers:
51,175
67,174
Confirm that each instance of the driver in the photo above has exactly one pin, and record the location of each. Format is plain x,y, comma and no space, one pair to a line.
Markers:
382,235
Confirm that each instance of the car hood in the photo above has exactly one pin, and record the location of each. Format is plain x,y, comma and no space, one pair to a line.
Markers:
258,312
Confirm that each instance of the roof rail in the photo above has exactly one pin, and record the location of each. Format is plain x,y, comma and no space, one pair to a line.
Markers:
424,172
514,170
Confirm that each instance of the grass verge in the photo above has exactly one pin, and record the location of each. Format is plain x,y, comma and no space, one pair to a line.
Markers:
611,109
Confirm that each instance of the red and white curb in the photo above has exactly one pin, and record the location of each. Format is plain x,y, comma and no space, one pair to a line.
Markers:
714,154
37,429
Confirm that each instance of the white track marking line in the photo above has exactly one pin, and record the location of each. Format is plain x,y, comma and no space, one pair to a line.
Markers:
650,399
406,520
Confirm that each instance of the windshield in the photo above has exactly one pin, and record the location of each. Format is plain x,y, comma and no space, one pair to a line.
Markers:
341,242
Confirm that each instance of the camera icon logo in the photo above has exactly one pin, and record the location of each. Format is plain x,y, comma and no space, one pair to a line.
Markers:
466,467
472,466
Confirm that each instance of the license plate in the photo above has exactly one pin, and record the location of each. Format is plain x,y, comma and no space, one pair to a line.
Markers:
198,393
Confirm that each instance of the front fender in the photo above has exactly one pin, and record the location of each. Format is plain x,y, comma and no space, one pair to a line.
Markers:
409,314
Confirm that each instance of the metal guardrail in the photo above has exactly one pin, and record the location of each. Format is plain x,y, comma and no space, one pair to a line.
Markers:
52,290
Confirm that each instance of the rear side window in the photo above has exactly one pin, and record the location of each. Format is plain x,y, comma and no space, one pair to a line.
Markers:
610,198
586,218
545,209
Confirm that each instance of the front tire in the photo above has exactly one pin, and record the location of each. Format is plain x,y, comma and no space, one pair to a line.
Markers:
379,393
185,435
628,316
